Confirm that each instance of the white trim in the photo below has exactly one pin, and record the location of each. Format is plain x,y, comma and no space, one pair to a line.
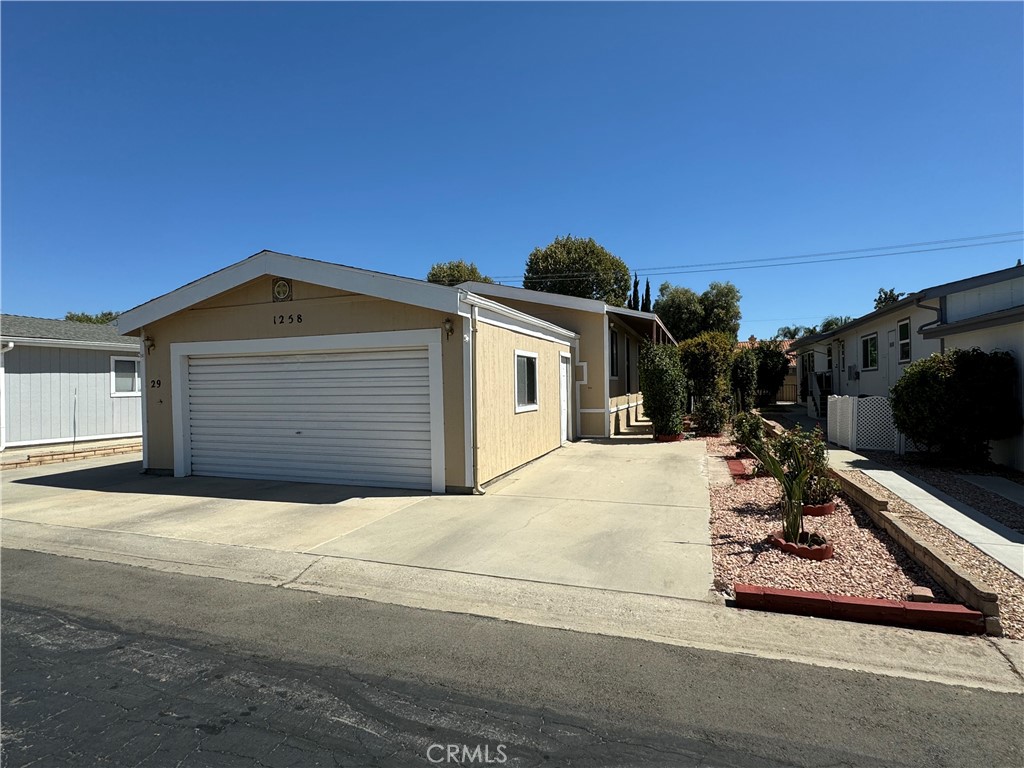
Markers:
145,399
79,439
429,338
113,346
910,342
558,300
468,395
269,263
564,357
536,381
436,378
5,347
627,406
581,381
607,372
137,392
493,313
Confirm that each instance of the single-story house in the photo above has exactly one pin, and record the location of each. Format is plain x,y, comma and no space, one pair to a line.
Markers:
286,368
607,381
867,355
64,382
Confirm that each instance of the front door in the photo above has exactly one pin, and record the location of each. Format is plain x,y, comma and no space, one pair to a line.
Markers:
891,360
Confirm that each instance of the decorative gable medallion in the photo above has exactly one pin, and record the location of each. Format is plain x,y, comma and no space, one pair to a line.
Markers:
281,289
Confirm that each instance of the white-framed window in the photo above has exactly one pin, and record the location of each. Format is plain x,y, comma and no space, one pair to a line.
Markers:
903,337
526,381
124,377
613,353
869,352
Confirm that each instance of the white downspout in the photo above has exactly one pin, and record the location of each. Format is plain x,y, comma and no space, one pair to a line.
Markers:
3,395
476,438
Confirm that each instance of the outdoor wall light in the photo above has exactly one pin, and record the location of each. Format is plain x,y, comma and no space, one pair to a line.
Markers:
150,344
449,327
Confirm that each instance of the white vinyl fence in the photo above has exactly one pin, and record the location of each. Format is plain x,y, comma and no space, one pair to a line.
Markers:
864,423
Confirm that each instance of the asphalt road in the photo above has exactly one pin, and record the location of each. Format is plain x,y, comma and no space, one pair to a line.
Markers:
112,665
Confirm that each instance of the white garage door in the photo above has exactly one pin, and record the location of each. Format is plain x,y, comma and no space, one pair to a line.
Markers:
355,418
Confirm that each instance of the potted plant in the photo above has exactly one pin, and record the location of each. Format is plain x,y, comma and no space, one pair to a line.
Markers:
821,489
787,461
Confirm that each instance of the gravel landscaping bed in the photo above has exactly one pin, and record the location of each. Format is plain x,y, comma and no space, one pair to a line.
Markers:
945,479
1008,585
867,562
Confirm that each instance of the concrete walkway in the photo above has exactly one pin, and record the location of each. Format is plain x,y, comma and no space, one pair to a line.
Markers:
1000,486
1003,544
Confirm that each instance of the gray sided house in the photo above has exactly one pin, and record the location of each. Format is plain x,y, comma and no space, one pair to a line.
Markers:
62,382
867,356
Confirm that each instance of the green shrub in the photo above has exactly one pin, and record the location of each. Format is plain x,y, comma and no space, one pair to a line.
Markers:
958,401
663,387
748,430
744,378
707,362
772,367
710,415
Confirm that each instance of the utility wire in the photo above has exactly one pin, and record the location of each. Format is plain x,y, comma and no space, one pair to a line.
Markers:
728,266
684,268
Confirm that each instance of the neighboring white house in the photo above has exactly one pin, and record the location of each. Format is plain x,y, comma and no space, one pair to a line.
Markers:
866,356
62,381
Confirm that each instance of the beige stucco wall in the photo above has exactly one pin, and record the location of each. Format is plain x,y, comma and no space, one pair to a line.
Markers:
248,311
507,439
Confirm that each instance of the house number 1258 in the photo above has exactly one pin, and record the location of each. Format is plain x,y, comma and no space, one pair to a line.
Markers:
287,319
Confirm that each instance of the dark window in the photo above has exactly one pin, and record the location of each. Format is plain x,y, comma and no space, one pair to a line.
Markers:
869,352
613,354
526,382
903,333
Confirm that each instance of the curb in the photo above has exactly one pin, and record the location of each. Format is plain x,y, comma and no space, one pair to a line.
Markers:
939,617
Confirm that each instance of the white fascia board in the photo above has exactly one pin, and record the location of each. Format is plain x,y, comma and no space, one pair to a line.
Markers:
403,290
537,297
113,346
494,313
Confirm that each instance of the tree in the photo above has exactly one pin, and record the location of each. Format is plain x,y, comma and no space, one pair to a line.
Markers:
795,331
679,308
744,378
101,318
646,305
574,266
707,363
720,305
772,367
634,300
887,296
455,272
687,314
663,387
831,322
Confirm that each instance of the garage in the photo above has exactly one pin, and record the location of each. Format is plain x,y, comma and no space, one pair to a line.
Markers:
288,369
355,418
349,409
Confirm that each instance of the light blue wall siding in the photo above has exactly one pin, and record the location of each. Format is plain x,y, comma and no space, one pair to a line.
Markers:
55,393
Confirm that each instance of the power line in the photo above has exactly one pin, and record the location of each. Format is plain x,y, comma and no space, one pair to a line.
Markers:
739,264
688,268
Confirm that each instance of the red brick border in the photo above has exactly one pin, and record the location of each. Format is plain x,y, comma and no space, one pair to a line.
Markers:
738,471
941,617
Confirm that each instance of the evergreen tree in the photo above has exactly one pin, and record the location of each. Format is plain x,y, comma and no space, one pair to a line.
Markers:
646,306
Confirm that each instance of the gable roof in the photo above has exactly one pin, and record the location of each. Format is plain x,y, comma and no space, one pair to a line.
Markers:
558,300
27,329
405,290
912,299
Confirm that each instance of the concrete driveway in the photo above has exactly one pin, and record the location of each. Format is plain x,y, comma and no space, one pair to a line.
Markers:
625,514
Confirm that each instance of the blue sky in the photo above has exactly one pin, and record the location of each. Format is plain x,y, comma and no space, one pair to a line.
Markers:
145,145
